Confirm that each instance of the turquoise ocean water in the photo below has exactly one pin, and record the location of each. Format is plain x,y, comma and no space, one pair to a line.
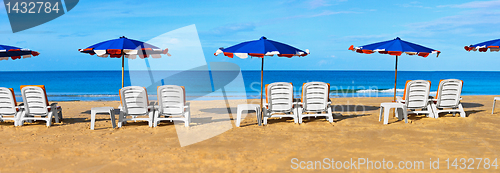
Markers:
104,85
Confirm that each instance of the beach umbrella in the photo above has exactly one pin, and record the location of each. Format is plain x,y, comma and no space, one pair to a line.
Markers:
396,48
493,45
124,47
260,48
15,53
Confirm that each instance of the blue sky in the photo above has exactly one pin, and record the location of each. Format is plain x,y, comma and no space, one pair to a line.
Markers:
326,27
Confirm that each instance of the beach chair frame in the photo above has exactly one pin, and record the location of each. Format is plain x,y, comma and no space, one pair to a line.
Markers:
36,104
172,105
8,106
448,98
135,102
315,101
416,96
279,101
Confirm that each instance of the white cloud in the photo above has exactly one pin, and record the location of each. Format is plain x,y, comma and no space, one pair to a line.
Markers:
480,21
328,12
413,4
322,3
233,28
475,4
318,3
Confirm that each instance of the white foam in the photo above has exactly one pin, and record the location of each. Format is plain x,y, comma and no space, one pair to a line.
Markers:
368,91
392,90
380,91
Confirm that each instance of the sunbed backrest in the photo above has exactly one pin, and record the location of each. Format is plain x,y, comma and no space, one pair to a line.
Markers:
134,100
7,101
35,99
280,96
315,96
417,93
449,91
172,99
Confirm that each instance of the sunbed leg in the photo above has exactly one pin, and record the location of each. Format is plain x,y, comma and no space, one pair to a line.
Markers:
49,121
330,115
120,119
381,112
430,110
405,114
155,119
494,101
56,116
60,115
295,116
436,112
462,112
264,116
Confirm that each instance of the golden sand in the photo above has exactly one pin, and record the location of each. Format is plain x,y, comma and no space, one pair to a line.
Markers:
72,147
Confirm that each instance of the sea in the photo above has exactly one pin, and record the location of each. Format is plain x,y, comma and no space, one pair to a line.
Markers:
218,85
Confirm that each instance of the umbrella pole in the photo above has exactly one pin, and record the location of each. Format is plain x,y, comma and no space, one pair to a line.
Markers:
123,65
261,88
395,78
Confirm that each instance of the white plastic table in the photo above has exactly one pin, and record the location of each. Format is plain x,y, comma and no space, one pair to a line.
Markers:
247,107
96,110
385,107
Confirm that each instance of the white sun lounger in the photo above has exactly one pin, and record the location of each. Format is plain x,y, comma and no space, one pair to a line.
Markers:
315,101
37,107
8,106
172,105
279,101
135,103
416,96
448,98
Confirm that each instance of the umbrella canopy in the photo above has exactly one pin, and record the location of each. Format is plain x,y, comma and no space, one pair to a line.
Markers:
493,45
15,53
395,47
124,48
260,48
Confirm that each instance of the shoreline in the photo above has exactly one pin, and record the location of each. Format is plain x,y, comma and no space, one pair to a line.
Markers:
103,97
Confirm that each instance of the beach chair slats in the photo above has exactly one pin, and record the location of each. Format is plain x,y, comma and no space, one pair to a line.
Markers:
280,97
315,96
417,94
315,101
36,105
7,102
448,96
134,100
34,100
171,99
172,105
449,93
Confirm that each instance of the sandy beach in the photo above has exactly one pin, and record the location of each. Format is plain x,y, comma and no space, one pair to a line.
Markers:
72,147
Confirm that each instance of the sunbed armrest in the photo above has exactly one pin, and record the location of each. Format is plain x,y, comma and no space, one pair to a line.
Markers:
399,99
53,104
188,104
